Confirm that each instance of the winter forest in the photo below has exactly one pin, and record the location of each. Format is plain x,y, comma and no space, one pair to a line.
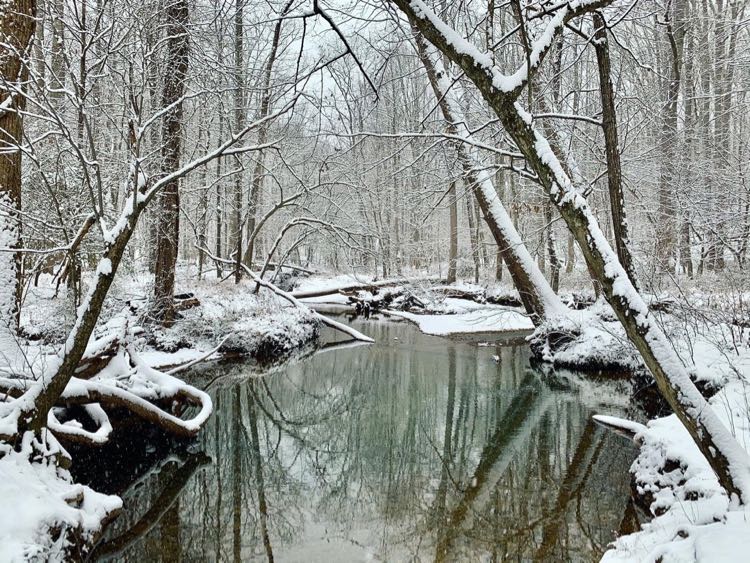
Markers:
393,280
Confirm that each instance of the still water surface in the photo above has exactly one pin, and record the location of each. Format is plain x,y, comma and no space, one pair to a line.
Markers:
417,448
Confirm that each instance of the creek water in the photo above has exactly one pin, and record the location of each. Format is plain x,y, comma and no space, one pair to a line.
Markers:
416,448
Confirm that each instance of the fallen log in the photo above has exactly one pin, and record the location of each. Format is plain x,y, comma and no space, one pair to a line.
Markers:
187,302
364,286
92,364
294,301
477,296
621,426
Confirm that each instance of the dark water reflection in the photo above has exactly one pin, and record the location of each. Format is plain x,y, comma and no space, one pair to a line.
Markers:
417,448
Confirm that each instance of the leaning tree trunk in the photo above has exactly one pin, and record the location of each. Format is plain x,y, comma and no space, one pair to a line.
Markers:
168,230
726,457
538,298
17,21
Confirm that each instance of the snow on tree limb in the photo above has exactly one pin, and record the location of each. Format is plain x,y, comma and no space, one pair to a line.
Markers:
727,458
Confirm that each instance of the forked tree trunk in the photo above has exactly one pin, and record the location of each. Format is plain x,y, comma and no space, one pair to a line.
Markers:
726,457
168,230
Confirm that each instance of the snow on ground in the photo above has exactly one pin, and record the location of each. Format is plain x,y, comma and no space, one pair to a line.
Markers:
39,500
253,324
693,518
482,318
586,339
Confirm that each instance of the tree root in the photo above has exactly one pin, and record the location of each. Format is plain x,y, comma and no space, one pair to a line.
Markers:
96,396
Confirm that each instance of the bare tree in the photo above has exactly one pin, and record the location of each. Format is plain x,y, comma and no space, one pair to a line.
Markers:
728,460
168,230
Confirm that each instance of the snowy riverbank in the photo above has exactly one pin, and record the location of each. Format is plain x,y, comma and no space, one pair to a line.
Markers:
691,518
44,515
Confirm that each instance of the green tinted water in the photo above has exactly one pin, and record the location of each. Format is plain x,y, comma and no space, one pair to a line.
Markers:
415,449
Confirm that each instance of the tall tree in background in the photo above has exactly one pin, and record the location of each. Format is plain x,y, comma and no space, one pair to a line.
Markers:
235,225
676,25
17,21
612,148
453,226
177,17
263,111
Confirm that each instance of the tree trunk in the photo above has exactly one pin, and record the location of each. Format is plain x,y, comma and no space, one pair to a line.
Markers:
17,20
168,230
726,457
263,111
612,149
219,205
692,128
554,261
203,200
666,235
239,123
453,224
57,58
473,239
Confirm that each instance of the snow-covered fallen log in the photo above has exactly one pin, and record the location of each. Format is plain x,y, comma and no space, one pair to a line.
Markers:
297,303
359,286
627,428
129,383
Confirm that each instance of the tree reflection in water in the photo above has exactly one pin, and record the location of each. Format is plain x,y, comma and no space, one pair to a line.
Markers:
415,448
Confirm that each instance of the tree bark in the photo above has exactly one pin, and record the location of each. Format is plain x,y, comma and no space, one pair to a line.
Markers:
239,122
666,235
168,231
17,21
473,237
57,59
453,226
612,149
